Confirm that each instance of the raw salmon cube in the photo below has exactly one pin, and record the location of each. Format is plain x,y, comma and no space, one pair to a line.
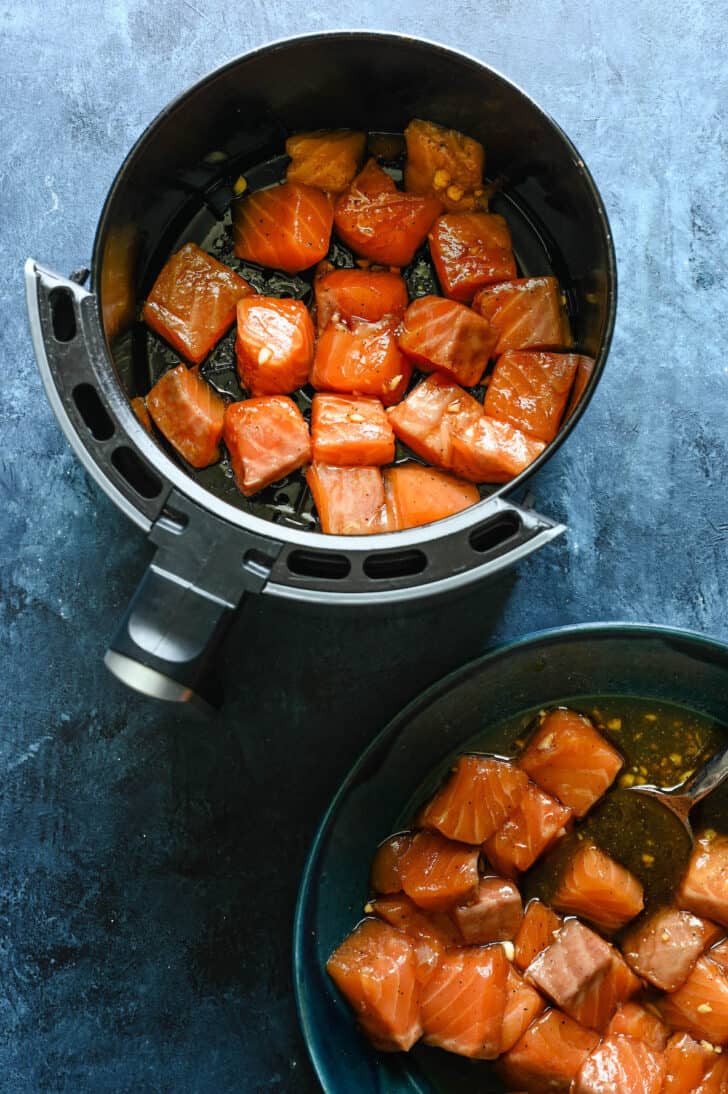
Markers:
418,495
537,931
632,1020
584,372
523,1005
381,223
349,500
267,438
192,302
664,948
463,1003
118,288
438,873
486,450
576,960
431,933
549,1055
347,295
686,1062
700,1006
287,227
569,759
274,345
597,888
494,914
326,159
427,418
376,971
471,250
597,1004
350,431
446,164
530,390
533,826
585,976
372,182
621,1065
704,889
189,414
363,359
404,914
477,798
139,406
716,1078
446,336
384,874
525,313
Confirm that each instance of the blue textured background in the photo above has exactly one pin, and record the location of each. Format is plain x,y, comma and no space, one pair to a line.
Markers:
148,866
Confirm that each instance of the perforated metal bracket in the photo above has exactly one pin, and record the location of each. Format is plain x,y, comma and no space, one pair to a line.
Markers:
438,559
90,408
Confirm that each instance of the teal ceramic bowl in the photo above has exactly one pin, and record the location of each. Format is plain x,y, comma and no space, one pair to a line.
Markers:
655,663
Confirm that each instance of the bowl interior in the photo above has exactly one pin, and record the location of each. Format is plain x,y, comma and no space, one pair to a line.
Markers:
177,182
662,665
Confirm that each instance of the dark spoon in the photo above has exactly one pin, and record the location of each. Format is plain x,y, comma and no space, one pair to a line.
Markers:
681,799
648,829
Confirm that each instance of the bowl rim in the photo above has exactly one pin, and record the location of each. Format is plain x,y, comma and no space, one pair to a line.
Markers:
550,636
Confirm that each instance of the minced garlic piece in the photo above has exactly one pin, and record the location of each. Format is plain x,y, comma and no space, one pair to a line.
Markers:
704,1008
441,179
241,185
264,355
455,193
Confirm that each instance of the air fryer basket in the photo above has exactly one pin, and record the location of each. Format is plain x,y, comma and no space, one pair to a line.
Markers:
176,184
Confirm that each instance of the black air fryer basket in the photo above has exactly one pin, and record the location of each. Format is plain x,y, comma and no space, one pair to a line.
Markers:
175,185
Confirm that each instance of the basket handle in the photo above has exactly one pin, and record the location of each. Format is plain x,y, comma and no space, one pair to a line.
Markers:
167,642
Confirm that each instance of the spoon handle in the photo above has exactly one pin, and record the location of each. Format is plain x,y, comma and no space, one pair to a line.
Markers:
710,776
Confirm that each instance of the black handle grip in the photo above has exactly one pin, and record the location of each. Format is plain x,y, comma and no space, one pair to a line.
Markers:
166,643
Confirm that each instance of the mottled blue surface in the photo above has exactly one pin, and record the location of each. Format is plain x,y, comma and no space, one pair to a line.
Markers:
148,866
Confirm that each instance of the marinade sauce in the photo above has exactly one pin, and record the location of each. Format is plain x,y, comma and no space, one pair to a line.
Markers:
662,744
